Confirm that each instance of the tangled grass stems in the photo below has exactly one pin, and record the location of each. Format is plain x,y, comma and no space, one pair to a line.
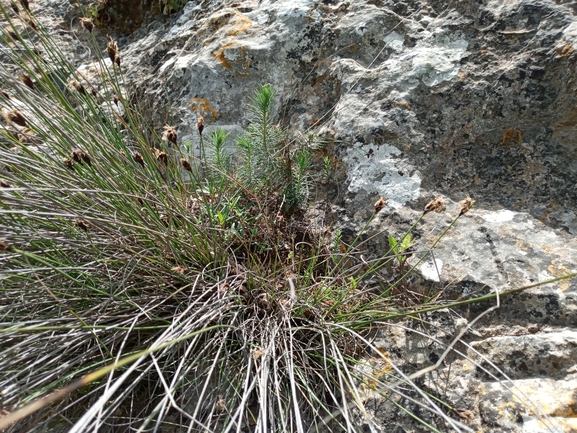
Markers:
136,296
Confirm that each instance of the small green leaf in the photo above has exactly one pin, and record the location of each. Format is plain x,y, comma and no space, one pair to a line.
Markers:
393,244
407,242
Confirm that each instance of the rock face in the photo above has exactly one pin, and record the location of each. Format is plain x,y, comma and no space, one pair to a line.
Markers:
420,98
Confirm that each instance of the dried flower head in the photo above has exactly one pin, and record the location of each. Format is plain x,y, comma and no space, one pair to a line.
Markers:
112,50
75,85
25,4
80,156
81,224
138,158
257,353
115,99
94,92
185,164
170,133
25,78
179,269
220,406
14,116
87,24
200,124
69,163
466,205
436,205
4,246
380,205
5,184
161,156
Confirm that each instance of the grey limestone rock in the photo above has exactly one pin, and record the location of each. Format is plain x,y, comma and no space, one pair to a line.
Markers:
421,98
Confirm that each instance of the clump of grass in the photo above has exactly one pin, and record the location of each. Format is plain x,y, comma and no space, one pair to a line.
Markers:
137,298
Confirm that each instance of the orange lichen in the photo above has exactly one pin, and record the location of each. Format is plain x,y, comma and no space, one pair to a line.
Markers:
237,62
201,107
234,22
512,136
565,50
558,270
523,245
379,367
544,215
401,104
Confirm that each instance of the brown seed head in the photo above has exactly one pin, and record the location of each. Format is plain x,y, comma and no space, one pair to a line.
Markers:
4,246
161,156
170,133
80,156
94,92
436,205
200,124
179,269
14,116
220,406
186,164
69,163
87,24
380,205
81,224
112,50
25,4
25,78
5,184
73,84
138,158
257,353
466,205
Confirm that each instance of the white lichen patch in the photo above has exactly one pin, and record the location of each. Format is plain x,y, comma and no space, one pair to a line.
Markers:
437,59
293,9
499,216
376,170
570,33
395,42
432,270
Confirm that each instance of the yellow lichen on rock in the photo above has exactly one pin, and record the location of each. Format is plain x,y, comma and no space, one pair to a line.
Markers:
512,136
375,368
231,21
201,107
558,270
523,245
233,57
564,50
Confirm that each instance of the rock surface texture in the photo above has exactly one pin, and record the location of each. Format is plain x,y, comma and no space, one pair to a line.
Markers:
420,98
